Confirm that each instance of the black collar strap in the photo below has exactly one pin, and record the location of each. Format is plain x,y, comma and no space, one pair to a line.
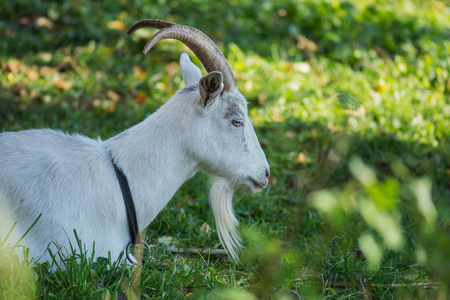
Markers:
133,227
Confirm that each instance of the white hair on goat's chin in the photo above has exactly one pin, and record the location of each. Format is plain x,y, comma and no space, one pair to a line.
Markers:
221,196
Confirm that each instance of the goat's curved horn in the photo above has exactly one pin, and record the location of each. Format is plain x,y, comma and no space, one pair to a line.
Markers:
150,23
203,47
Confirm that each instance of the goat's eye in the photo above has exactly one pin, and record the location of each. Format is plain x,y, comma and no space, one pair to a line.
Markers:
236,123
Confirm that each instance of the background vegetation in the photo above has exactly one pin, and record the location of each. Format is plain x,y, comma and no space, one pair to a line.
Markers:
350,100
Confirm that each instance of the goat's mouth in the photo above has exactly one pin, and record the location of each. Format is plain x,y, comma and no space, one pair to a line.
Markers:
256,185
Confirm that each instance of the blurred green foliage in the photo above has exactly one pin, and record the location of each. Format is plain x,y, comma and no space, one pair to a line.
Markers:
350,100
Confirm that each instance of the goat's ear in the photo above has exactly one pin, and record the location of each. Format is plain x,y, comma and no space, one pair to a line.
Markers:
210,87
191,73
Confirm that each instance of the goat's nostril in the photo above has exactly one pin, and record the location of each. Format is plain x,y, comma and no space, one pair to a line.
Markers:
267,173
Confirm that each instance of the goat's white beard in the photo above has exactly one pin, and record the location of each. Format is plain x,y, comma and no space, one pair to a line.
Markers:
221,196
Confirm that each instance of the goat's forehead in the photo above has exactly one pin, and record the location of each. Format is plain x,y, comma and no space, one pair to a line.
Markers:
233,101
236,102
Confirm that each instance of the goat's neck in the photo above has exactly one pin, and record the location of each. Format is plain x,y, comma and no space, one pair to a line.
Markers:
152,158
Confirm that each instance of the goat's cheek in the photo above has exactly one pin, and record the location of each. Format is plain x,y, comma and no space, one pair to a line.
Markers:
244,143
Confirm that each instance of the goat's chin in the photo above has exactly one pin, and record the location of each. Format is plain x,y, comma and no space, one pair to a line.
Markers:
221,196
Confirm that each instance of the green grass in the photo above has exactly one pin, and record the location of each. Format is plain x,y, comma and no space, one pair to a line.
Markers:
351,103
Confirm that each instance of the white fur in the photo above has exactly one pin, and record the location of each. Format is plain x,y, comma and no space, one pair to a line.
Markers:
71,181
221,195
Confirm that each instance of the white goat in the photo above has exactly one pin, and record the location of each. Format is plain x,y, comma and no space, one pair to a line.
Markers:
71,179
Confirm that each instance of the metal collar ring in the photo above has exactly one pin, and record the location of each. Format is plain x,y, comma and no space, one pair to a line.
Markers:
131,257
